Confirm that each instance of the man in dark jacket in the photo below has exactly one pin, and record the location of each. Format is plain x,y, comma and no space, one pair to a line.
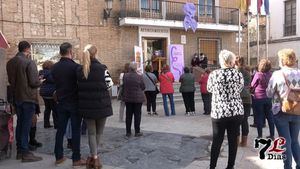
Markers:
64,75
23,78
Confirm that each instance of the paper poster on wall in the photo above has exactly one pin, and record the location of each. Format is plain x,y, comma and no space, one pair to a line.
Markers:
176,55
138,57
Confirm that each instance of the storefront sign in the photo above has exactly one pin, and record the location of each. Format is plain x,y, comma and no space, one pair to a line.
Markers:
176,60
138,57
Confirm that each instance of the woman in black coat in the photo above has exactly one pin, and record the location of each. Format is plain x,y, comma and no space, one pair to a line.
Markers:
94,101
133,97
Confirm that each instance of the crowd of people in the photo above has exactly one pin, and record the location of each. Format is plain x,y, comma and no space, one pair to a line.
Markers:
78,94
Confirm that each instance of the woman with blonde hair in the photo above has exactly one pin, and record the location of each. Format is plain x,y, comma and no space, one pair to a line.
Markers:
94,101
288,125
227,112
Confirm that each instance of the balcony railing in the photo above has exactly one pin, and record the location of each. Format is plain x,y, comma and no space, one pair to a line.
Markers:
169,10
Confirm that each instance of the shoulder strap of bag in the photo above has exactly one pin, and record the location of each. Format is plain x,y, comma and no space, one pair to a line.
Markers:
286,81
151,79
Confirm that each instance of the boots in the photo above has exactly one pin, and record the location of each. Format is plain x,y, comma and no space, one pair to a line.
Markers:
69,145
29,157
33,143
244,141
90,163
97,163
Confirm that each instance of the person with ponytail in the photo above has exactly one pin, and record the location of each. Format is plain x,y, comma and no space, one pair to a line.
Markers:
94,103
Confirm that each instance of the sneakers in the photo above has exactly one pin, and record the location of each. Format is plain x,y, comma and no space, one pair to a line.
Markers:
128,134
155,114
187,114
29,157
80,162
149,113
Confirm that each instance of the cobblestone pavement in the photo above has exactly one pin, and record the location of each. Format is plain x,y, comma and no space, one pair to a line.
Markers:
168,143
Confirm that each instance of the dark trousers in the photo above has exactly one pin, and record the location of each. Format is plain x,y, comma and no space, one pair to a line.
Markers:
231,125
133,109
206,97
50,105
263,109
189,102
25,111
151,100
66,111
245,124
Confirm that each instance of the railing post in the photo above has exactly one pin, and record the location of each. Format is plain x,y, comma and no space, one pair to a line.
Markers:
164,9
217,14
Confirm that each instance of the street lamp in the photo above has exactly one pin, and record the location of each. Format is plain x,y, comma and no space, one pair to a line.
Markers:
108,9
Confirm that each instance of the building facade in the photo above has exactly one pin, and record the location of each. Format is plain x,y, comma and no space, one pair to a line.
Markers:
284,30
115,29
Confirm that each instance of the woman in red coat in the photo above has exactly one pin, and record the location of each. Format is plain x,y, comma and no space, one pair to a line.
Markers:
166,80
206,96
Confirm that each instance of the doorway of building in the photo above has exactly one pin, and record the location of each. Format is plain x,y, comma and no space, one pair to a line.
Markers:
155,52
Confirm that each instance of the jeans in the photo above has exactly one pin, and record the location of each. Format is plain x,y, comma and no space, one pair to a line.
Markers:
50,105
245,124
166,107
151,100
219,127
288,126
68,111
263,109
95,130
133,109
206,97
189,102
25,111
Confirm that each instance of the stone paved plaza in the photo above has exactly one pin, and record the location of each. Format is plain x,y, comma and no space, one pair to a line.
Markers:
176,142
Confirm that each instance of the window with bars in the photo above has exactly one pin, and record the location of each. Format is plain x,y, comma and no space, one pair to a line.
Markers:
290,18
150,5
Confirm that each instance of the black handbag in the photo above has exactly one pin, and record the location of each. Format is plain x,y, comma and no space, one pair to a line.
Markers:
156,89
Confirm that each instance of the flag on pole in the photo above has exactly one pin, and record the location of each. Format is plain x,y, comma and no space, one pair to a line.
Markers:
3,42
259,4
267,7
243,5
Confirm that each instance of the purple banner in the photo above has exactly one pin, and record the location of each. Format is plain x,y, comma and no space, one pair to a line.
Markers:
176,60
189,21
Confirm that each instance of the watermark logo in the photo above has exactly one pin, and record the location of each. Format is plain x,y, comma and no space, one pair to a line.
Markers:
269,149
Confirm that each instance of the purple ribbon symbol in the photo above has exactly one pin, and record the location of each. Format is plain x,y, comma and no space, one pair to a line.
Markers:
189,21
174,59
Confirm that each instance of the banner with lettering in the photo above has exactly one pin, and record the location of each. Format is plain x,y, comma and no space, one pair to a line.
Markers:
176,55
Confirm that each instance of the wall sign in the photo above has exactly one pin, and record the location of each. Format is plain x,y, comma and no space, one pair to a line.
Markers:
183,39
